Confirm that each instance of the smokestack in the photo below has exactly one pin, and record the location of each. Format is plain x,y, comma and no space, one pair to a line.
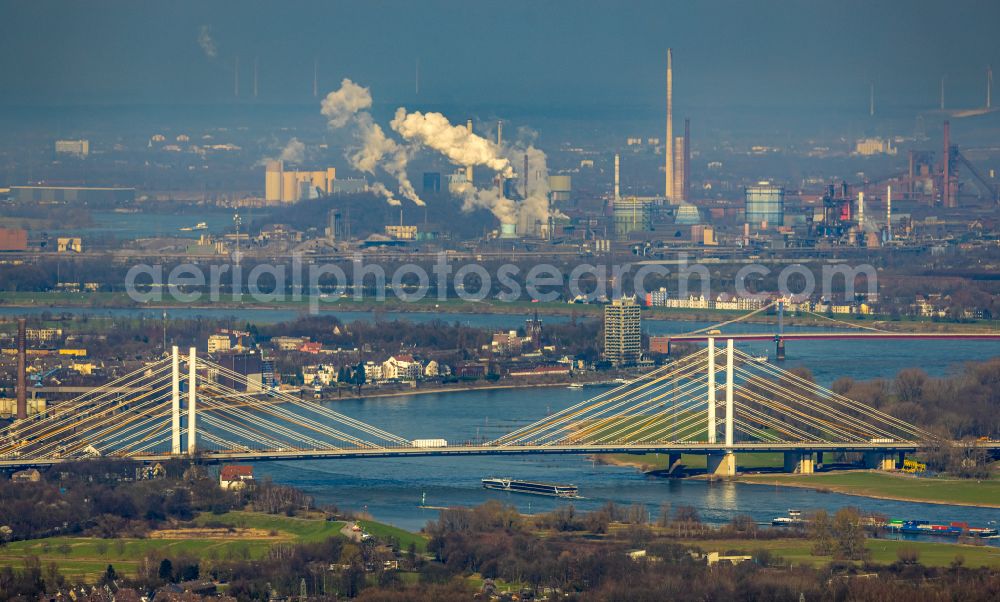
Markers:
861,213
22,366
468,170
888,212
687,158
946,168
617,180
989,86
679,169
525,175
315,77
499,132
668,147
236,77
871,101
255,77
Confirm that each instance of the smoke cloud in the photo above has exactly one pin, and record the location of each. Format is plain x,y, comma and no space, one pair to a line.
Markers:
350,104
528,213
294,152
461,146
380,189
206,42
344,103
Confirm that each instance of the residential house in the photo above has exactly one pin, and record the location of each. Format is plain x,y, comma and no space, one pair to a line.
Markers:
401,367
235,476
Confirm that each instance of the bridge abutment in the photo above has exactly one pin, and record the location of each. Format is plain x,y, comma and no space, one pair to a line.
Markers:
798,462
880,460
721,465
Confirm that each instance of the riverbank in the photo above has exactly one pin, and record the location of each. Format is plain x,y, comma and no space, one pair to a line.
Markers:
461,388
889,486
101,300
863,483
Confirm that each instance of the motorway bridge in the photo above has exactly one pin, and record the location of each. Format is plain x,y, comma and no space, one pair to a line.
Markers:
716,402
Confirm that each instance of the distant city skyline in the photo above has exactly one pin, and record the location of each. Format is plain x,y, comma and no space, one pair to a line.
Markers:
727,54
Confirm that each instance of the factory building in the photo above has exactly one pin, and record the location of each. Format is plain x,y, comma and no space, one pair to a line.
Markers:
71,194
622,332
76,148
632,214
13,239
765,205
560,188
293,186
432,181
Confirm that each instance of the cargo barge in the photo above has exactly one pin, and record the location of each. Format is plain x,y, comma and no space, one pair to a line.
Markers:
531,487
953,529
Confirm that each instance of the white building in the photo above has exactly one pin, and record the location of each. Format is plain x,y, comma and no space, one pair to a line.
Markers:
77,148
219,342
401,367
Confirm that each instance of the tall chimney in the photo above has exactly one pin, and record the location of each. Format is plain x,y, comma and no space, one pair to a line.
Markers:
22,366
668,147
946,168
525,175
617,180
687,158
499,132
255,77
468,170
989,87
888,212
861,213
679,169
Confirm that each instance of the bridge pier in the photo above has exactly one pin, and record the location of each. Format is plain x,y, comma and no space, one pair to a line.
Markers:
721,465
798,462
675,463
779,349
880,460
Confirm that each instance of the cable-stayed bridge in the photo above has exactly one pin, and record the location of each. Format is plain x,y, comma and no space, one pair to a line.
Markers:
716,402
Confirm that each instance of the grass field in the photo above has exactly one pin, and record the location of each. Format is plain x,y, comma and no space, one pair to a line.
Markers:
405,538
695,461
883,551
890,486
88,557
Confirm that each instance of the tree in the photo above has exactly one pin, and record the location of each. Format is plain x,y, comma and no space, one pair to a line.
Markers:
820,532
849,534
166,572
110,576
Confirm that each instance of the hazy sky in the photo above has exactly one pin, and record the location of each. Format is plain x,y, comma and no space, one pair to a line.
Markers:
728,53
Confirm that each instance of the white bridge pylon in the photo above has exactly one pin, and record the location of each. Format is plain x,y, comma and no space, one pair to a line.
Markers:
141,414
146,414
678,404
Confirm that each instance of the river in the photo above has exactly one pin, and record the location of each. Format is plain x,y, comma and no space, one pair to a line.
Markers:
393,489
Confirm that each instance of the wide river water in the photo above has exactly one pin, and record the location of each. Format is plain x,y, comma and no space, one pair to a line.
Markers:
393,490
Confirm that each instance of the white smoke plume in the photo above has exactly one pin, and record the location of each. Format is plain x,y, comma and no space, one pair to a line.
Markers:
461,146
528,213
206,42
344,103
349,104
380,189
294,152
